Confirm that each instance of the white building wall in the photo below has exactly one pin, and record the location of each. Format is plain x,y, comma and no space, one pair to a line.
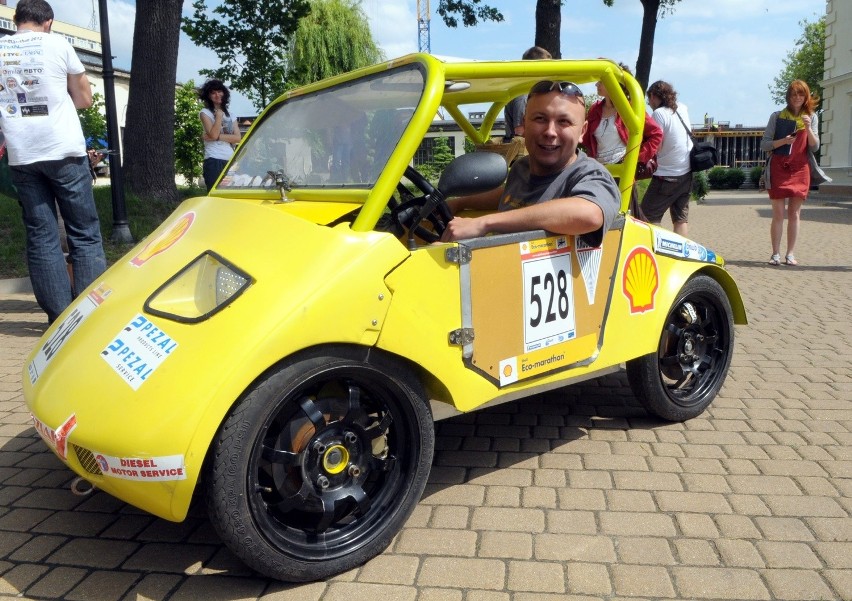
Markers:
836,156
121,88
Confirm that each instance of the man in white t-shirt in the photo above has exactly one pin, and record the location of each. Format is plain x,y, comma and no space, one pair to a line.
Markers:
43,84
671,185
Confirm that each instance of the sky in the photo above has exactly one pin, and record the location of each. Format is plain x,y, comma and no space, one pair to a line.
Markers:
721,56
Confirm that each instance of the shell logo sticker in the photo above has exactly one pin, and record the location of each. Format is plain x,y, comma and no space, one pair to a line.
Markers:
508,371
640,280
164,241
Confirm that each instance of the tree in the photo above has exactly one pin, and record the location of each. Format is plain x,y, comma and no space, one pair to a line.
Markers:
149,132
548,25
650,10
442,155
189,149
251,39
333,38
93,122
806,62
469,11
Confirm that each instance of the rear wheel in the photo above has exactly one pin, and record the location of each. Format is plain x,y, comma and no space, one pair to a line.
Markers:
318,467
681,379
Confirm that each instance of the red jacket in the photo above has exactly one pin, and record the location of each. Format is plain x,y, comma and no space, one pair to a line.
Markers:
652,136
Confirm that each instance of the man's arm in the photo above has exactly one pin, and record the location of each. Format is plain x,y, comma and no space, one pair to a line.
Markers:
80,90
572,215
484,201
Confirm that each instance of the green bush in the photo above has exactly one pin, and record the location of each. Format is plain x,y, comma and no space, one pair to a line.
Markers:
725,178
754,174
700,186
716,178
735,178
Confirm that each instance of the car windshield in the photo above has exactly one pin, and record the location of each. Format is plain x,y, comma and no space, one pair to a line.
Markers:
338,137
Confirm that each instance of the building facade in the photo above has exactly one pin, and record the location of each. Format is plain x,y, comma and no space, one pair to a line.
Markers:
836,137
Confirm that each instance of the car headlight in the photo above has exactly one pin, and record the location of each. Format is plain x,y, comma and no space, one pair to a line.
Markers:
205,286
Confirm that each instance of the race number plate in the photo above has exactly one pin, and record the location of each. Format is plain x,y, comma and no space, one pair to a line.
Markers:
548,294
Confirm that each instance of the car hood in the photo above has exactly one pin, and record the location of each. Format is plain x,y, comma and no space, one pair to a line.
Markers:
300,273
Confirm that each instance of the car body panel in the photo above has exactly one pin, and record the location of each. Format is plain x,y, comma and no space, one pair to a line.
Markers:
130,396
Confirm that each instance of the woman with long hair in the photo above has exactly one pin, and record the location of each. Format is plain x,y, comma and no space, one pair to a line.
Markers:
220,129
792,136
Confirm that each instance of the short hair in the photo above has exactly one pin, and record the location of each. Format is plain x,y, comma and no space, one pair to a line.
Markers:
212,85
798,85
32,11
535,53
665,92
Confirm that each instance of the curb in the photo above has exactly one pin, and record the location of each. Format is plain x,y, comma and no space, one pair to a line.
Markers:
16,286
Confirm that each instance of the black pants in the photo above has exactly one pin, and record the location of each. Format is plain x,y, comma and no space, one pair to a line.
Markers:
211,170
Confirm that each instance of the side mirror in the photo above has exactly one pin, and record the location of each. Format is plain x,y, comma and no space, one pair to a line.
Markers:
472,173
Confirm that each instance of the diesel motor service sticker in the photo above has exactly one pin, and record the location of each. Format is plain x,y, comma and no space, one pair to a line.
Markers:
145,469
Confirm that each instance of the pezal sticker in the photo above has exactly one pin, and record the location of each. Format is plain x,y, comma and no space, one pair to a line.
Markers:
145,469
138,350
69,325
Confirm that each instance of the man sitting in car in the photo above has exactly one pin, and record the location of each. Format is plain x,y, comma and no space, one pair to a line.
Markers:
556,187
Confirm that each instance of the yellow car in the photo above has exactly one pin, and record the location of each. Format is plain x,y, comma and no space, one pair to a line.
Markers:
285,343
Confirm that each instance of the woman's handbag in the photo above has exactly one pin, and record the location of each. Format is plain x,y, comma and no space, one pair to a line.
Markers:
703,155
647,169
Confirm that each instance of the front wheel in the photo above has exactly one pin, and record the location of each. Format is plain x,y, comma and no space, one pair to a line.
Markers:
318,467
681,379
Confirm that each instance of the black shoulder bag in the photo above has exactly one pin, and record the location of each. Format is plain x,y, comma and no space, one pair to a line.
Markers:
703,155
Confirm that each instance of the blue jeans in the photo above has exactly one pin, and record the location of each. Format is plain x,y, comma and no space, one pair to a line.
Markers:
41,186
211,169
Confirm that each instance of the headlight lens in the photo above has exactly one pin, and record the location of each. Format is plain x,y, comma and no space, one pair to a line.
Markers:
202,288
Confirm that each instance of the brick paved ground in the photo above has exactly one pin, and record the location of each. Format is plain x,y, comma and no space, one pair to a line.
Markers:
574,495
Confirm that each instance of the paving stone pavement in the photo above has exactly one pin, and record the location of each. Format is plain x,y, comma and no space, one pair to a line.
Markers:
574,495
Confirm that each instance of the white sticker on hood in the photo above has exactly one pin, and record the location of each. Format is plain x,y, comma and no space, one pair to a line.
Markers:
138,350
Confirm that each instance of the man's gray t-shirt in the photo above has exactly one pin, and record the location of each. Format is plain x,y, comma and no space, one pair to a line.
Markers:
585,178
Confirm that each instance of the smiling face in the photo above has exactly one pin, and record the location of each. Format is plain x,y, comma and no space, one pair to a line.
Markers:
796,99
216,97
554,124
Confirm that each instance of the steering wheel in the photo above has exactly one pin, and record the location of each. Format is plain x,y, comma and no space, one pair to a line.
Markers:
407,213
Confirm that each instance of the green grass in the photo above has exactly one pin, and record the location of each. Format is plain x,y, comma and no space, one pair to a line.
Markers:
143,216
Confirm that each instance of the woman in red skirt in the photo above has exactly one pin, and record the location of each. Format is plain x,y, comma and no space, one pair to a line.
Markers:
792,137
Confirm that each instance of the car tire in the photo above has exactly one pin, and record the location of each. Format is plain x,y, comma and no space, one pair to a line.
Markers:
318,467
681,379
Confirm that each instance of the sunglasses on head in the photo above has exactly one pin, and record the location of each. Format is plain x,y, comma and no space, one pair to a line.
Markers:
565,87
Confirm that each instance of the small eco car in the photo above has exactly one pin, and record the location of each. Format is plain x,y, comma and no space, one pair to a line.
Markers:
285,343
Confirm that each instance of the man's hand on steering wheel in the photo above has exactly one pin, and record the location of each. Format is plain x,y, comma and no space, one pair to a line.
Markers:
408,214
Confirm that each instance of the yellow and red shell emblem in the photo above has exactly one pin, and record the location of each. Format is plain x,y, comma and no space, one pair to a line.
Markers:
165,240
640,280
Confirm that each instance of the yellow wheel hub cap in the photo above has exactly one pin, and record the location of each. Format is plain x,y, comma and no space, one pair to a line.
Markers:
336,459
